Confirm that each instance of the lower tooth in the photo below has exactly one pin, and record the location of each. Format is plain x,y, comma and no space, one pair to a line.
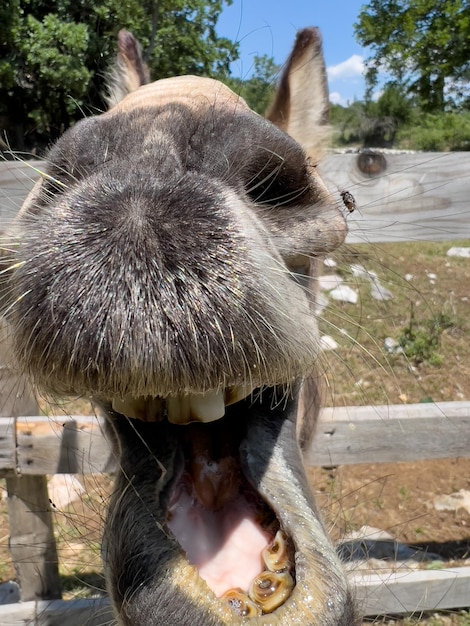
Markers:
275,556
241,604
271,589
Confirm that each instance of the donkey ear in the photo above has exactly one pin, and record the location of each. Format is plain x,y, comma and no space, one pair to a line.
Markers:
301,109
301,106
130,70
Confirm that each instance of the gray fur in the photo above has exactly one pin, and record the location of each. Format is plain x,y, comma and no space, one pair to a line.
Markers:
161,255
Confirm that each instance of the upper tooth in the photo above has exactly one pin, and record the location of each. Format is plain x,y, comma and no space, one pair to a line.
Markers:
235,394
182,409
177,408
198,407
142,408
207,407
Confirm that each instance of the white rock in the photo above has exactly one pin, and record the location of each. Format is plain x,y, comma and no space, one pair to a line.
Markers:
321,302
379,292
431,275
329,263
453,502
343,293
368,532
9,593
329,281
409,277
392,346
328,343
360,272
461,252
64,489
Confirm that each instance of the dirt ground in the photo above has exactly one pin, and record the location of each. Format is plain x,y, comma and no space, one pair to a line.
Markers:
397,498
431,295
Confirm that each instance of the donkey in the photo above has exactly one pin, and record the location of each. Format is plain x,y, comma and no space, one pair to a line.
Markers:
163,266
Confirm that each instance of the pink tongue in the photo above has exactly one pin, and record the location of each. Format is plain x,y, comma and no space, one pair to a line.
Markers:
225,545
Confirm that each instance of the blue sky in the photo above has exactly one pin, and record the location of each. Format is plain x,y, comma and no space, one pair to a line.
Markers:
269,27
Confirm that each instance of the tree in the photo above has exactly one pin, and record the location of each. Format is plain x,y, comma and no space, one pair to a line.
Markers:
258,90
182,39
53,54
423,44
386,116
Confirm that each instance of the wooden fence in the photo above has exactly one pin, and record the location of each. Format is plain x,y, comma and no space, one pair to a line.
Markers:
431,194
32,447
421,196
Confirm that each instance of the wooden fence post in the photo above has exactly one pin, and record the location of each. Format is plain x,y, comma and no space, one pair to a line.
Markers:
32,542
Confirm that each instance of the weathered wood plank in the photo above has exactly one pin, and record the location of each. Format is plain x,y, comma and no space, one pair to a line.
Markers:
32,542
413,591
16,396
16,181
95,612
7,445
391,434
421,196
67,445
345,435
377,593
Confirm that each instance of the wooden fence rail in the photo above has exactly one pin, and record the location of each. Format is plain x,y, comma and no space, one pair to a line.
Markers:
416,197
427,198
36,446
41,445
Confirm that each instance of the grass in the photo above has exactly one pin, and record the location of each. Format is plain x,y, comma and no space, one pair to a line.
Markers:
421,341
431,314
460,618
428,317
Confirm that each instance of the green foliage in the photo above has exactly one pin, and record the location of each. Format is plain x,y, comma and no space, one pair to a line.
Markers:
396,121
421,341
347,123
423,44
53,54
395,105
258,90
437,132
373,123
384,117
182,38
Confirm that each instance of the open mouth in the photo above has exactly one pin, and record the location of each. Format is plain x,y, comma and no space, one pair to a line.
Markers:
214,510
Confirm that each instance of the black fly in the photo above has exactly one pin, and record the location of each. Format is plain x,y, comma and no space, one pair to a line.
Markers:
348,201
